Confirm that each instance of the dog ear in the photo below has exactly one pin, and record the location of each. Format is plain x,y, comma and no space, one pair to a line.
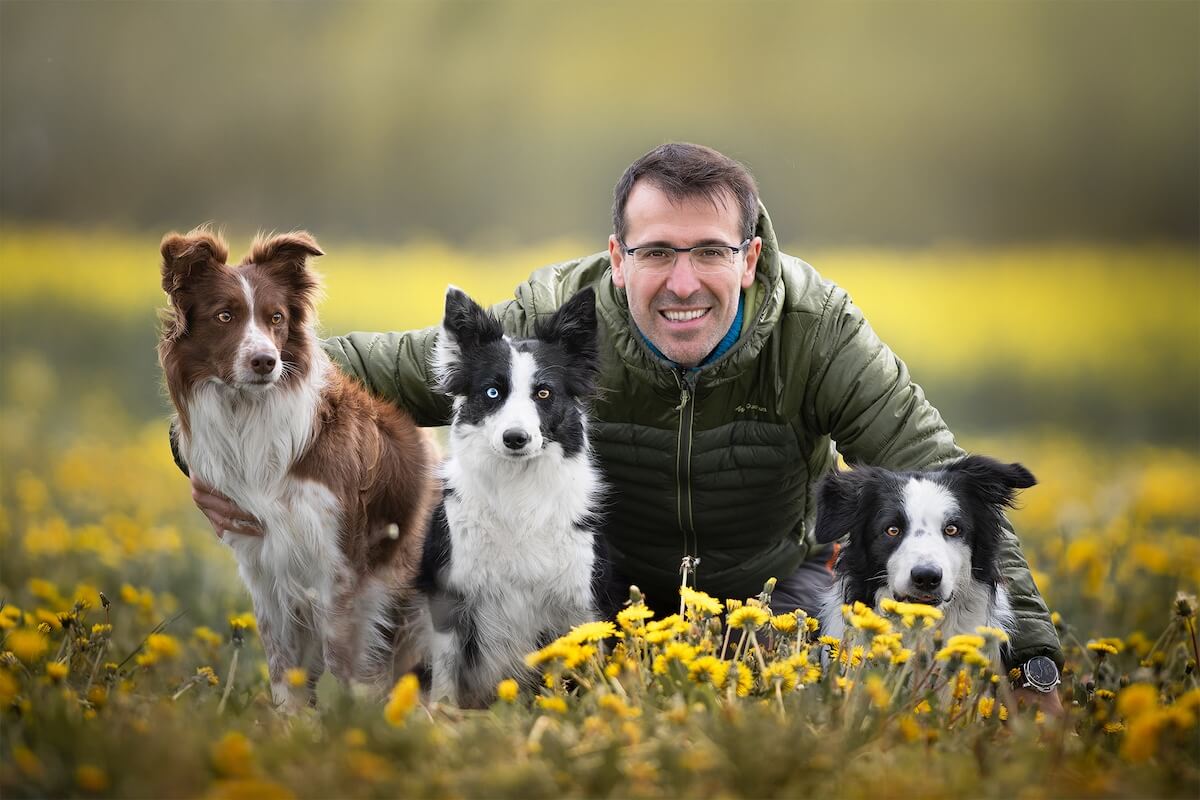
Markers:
573,325
839,497
464,325
995,482
183,253
291,249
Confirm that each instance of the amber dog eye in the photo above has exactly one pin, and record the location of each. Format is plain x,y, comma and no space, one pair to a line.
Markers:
224,316
893,531
543,394
951,530
276,318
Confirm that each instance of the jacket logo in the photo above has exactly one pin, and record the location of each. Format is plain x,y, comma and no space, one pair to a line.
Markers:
744,407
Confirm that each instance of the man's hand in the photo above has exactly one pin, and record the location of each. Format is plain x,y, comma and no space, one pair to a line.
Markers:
222,513
1048,702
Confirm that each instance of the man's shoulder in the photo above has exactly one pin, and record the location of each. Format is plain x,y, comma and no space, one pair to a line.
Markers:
549,287
805,291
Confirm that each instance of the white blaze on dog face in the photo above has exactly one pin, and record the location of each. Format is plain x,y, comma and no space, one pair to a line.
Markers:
516,428
258,361
928,565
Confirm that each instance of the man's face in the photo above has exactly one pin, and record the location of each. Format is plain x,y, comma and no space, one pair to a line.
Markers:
684,313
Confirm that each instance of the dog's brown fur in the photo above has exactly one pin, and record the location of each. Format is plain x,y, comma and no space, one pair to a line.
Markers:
367,453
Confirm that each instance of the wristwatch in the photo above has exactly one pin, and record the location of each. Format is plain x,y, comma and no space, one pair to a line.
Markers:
1040,673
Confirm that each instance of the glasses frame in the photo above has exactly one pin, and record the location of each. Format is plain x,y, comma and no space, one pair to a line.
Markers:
632,251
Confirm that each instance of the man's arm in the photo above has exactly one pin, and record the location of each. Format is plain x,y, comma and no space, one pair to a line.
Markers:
396,367
861,394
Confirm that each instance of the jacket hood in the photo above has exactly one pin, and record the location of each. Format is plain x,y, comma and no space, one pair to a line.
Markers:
764,304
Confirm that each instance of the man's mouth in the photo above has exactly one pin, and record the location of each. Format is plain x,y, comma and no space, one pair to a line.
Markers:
684,315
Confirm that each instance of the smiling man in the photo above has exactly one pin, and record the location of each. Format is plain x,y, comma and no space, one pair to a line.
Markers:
733,375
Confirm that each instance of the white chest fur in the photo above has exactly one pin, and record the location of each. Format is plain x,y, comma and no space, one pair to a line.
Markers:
244,446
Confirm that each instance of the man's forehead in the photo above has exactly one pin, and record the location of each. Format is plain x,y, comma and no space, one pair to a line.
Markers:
653,216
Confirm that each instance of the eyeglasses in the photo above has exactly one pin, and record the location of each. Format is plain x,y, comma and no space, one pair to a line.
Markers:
706,258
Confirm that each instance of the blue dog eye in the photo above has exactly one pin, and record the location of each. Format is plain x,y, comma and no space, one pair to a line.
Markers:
492,392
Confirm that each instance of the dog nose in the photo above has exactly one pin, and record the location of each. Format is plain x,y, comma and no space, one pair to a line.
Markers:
926,577
262,363
515,438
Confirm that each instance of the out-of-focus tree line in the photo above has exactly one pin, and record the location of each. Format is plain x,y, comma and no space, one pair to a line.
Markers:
497,123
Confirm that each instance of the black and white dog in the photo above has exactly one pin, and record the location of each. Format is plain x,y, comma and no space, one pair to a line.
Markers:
928,537
512,560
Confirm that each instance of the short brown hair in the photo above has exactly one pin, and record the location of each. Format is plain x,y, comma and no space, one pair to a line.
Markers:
683,170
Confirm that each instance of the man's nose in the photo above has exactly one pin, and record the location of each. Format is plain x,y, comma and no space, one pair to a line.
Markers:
683,282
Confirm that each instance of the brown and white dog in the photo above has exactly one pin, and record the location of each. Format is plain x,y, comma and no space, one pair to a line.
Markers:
341,481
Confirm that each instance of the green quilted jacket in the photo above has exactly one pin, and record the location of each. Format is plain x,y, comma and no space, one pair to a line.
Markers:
721,463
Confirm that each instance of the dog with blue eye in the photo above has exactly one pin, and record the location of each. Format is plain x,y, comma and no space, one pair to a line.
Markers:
927,537
513,559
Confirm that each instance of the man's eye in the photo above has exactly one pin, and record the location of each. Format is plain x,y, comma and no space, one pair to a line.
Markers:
893,531
224,316
709,252
656,255
276,318
492,392
543,394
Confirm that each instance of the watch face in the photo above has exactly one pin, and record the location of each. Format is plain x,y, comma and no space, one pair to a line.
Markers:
1041,670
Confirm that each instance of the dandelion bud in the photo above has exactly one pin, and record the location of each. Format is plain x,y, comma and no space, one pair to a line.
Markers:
393,531
1185,605
635,594
104,601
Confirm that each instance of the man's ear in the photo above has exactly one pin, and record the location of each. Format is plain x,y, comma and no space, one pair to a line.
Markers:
184,253
618,261
839,498
465,324
753,251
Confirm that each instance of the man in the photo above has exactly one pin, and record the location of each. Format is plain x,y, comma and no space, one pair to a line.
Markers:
730,372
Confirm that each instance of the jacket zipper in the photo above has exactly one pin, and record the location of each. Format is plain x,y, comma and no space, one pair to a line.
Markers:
683,476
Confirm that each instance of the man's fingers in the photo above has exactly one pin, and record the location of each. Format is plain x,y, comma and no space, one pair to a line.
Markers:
223,513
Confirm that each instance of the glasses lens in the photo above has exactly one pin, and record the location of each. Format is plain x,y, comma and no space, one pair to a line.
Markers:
712,259
653,258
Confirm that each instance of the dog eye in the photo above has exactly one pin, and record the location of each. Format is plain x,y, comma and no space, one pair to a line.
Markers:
224,316
492,392
543,394
951,530
276,318
893,531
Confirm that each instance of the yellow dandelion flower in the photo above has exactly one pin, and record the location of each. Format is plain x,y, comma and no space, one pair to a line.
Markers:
10,617
811,624
209,675
682,652
354,737
552,703
507,690
962,684
1137,699
295,677
709,669
700,602
862,617
28,763
784,623
27,645
901,656
966,640
843,684
744,680
1102,647
875,688
591,632
991,634
830,641
910,729
630,618
1003,712
207,636
747,618
91,778
811,675
1105,694
233,756
101,629
673,623
985,707
162,645
1114,727
9,688
57,671
1056,619
403,699
617,707
923,707
612,669
780,673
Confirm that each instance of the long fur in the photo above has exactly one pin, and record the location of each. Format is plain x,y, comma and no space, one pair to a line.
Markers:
905,528
341,482
513,559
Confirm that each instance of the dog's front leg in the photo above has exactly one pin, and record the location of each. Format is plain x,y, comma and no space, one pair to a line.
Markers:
288,645
341,627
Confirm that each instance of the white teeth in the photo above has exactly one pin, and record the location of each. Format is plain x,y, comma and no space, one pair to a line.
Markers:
684,316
